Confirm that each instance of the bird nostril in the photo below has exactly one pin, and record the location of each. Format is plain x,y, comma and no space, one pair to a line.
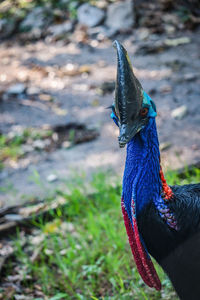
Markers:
123,138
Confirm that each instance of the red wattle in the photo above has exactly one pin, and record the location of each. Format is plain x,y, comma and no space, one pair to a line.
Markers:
143,262
146,260
166,189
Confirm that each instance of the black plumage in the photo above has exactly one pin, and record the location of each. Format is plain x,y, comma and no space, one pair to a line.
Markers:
178,252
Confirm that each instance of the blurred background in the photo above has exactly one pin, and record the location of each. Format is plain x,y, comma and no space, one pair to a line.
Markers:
60,163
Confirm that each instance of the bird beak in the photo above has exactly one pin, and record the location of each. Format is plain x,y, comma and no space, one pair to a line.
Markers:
128,96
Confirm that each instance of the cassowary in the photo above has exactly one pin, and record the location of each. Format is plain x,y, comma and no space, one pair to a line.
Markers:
160,220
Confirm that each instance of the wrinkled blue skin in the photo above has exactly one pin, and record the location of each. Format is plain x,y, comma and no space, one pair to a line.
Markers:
141,180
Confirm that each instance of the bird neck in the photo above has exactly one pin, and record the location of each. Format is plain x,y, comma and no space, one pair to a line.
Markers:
143,179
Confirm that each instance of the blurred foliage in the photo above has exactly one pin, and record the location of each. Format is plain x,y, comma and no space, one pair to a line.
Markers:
148,14
11,145
20,8
10,148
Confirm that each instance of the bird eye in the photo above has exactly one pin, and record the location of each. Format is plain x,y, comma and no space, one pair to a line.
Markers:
113,110
144,111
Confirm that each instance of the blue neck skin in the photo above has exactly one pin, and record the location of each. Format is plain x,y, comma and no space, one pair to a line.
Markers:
141,180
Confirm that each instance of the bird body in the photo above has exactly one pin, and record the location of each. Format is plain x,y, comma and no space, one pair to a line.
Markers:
160,220
177,251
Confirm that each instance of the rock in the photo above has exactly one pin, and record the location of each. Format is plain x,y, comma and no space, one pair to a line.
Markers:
34,34
21,297
52,178
109,32
16,89
47,142
180,112
171,19
120,15
90,15
39,144
143,34
45,97
66,144
102,32
60,30
7,27
74,70
13,217
102,4
165,89
190,76
27,148
169,29
36,20
33,91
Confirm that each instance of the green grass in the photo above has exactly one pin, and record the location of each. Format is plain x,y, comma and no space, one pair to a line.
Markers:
83,252
11,147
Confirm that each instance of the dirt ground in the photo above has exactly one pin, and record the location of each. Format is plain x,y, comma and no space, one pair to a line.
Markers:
170,74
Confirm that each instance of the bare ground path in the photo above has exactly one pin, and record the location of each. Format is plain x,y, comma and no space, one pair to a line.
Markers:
170,76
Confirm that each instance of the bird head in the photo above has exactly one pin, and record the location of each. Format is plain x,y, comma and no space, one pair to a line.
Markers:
132,107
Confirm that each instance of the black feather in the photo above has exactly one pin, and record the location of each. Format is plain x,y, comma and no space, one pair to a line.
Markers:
178,252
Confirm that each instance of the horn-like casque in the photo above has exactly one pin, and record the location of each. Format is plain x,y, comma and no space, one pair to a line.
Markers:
128,94
128,91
